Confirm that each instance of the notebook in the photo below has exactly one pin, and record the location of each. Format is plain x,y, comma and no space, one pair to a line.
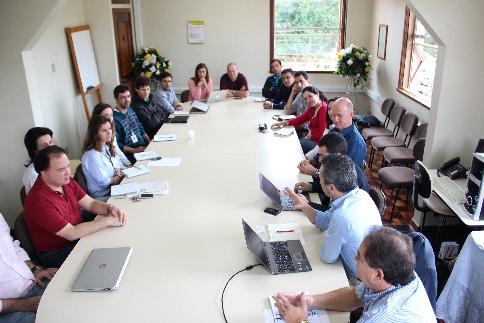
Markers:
103,270
199,107
135,171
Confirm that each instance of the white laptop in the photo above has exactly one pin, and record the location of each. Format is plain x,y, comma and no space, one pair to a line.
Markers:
217,96
103,270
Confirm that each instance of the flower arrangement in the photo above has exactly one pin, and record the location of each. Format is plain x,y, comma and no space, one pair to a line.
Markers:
149,62
354,62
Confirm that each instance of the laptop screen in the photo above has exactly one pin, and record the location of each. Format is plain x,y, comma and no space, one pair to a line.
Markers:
269,189
255,244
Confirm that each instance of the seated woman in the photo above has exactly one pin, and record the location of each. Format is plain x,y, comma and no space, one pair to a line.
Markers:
315,115
105,110
100,163
201,84
35,140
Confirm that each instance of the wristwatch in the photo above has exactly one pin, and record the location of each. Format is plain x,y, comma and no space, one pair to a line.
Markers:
35,268
304,321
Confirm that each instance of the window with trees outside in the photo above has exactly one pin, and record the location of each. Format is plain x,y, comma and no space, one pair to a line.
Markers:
307,34
417,65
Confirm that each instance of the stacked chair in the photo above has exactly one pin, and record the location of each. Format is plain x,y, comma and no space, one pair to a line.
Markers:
386,109
403,155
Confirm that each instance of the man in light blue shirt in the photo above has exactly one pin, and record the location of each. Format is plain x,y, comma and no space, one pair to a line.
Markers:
351,214
165,97
390,290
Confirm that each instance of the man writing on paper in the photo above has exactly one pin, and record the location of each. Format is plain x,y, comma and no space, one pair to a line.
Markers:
235,82
389,291
52,209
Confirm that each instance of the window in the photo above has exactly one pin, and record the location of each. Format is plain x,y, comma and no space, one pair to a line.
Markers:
417,66
307,34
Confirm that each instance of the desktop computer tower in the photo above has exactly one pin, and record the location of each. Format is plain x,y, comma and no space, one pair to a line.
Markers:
474,193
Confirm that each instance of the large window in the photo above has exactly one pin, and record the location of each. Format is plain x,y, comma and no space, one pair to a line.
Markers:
307,34
419,56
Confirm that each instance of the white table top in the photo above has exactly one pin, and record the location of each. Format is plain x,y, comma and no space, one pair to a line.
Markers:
188,243
458,208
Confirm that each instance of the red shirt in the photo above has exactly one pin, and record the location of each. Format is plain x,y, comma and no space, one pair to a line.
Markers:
317,124
48,211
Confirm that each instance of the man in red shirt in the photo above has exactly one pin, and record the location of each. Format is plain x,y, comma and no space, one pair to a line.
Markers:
52,209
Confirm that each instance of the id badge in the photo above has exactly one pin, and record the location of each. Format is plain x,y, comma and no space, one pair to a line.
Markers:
134,139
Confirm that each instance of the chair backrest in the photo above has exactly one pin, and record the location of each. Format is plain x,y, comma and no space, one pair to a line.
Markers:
408,125
81,178
421,131
23,236
23,194
422,186
396,117
184,96
419,149
386,109
425,265
379,198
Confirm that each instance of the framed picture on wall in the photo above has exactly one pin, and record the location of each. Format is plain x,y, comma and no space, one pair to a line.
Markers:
382,41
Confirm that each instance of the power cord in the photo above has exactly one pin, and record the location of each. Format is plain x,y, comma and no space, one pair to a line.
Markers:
228,281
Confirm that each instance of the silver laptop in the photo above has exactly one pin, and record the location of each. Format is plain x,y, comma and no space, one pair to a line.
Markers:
103,270
277,196
216,96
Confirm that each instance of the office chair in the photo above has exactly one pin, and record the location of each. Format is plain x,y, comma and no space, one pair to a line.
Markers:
396,115
23,194
184,96
404,155
80,178
23,236
379,198
386,108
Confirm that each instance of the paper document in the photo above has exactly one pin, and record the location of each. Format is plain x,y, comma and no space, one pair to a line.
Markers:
200,106
285,231
314,316
146,155
124,189
180,113
157,188
166,161
259,99
279,117
135,171
284,132
165,137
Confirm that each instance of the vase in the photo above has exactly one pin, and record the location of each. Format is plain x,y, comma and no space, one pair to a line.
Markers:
350,90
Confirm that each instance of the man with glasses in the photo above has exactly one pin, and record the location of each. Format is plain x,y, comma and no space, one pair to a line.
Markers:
279,101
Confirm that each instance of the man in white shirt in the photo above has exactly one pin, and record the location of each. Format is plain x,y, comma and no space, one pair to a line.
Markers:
21,281
35,140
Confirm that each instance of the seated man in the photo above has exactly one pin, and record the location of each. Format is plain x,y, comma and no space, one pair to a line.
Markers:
22,283
235,82
150,114
389,290
351,214
52,209
165,97
295,103
331,143
279,101
130,134
35,139
342,116
271,86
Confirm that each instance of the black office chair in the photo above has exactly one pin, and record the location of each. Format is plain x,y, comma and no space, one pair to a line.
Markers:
184,96
23,194
80,178
379,198
23,236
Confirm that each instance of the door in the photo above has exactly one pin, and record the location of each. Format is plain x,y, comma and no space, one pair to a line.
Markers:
124,41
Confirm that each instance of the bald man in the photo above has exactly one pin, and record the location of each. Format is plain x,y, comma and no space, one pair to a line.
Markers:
235,82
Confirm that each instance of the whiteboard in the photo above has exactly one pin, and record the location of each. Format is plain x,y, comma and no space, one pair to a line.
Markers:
86,61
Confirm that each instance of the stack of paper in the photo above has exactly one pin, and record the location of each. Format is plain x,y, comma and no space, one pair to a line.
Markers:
165,137
146,155
285,231
156,188
284,132
180,113
124,189
166,161
135,171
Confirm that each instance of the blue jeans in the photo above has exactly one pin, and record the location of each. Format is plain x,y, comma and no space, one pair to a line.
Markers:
55,258
24,317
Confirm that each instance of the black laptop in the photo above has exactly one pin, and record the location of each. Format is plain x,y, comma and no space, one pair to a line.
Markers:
279,257
178,119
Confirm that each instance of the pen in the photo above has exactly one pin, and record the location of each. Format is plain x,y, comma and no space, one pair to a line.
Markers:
284,231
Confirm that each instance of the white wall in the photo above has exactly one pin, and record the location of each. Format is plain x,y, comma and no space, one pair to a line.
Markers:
17,23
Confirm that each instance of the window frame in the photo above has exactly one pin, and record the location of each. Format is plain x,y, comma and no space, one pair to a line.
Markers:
406,56
342,31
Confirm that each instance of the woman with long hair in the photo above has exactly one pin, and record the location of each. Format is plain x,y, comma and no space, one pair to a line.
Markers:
201,84
315,114
100,163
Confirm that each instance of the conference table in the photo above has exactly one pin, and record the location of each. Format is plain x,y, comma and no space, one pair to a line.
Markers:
187,244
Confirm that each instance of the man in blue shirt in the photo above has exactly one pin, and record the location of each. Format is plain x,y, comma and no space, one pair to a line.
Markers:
351,214
389,291
165,98
130,135
342,116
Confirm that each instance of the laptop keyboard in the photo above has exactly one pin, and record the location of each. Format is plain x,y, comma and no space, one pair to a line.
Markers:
286,203
282,256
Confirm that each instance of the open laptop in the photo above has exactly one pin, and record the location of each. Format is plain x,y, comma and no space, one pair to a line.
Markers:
279,257
103,270
277,196
217,96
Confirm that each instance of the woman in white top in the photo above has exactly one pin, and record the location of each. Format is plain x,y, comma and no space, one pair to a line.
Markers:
35,140
106,110
100,163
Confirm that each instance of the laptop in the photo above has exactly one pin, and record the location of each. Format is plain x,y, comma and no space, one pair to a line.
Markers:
178,118
277,196
217,96
103,270
279,257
